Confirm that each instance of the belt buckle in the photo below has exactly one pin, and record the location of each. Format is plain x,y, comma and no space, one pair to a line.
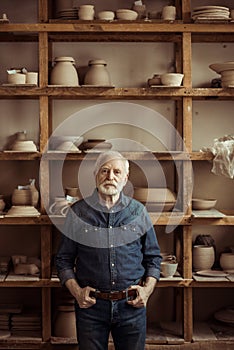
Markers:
112,295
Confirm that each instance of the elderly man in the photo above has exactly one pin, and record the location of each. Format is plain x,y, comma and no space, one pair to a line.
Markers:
109,259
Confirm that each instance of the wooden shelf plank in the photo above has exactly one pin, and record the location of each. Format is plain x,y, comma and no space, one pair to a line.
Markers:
117,27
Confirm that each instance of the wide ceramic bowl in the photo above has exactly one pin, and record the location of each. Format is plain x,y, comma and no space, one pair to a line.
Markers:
126,14
203,204
154,195
172,79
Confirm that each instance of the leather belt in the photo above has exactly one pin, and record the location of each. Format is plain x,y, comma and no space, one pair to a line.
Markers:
115,295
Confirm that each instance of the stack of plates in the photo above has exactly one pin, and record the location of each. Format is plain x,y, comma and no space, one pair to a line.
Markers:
226,70
24,146
71,13
156,199
25,323
211,13
22,210
5,321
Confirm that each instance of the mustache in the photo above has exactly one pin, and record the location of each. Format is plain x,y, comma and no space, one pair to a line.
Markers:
113,183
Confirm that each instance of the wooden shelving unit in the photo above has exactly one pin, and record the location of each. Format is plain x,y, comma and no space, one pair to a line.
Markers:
182,33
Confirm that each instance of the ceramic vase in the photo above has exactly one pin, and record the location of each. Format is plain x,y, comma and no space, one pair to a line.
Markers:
34,193
203,257
64,72
97,73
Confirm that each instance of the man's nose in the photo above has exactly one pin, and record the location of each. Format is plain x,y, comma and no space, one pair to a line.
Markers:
110,174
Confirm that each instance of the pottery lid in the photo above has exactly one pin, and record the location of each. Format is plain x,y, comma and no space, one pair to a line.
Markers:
99,61
64,58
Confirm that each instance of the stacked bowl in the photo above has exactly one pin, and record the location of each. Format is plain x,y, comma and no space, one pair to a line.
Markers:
155,199
226,70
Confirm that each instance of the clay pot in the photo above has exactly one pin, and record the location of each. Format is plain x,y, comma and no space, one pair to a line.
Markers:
21,197
64,72
97,73
2,204
227,261
203,257
65,323
86,12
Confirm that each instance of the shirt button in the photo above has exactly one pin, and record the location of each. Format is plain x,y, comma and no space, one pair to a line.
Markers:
112,264
110,226
113,282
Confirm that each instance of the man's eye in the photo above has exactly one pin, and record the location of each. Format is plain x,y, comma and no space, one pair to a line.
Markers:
117,172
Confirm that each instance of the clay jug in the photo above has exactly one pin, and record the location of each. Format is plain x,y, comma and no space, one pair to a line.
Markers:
64,72
203,257
34,192
97,74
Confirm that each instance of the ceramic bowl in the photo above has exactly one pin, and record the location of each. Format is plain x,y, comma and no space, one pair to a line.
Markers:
172,79
106,15
203,204
155,195
168,269
17,78
126,14
227,261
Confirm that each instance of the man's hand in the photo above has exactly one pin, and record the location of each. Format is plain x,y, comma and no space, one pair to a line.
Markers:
81,294
143,292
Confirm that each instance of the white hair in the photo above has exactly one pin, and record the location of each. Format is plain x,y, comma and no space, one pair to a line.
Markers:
104,157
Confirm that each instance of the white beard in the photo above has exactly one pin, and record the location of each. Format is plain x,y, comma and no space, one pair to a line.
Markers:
108,190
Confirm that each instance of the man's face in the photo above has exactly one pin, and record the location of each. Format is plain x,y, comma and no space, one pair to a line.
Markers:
111,177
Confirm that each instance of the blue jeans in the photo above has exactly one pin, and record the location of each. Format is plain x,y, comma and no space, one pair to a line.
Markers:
126,324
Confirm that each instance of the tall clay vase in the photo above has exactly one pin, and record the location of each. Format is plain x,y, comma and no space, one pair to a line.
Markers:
203,257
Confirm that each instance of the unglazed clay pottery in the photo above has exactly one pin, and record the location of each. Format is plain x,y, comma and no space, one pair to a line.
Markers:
21,197
169,13
227,261
155,80
126,14
2,203
106,15
203,257
86,12
172,79
59,206
32,78
65,323
16,78
203,204
26,269
72,191
97,74
168,268
140,9
34,193
64,72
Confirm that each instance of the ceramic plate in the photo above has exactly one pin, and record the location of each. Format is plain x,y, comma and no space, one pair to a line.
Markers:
210,7
212,273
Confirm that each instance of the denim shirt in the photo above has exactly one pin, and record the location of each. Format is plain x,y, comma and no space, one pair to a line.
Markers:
108,249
